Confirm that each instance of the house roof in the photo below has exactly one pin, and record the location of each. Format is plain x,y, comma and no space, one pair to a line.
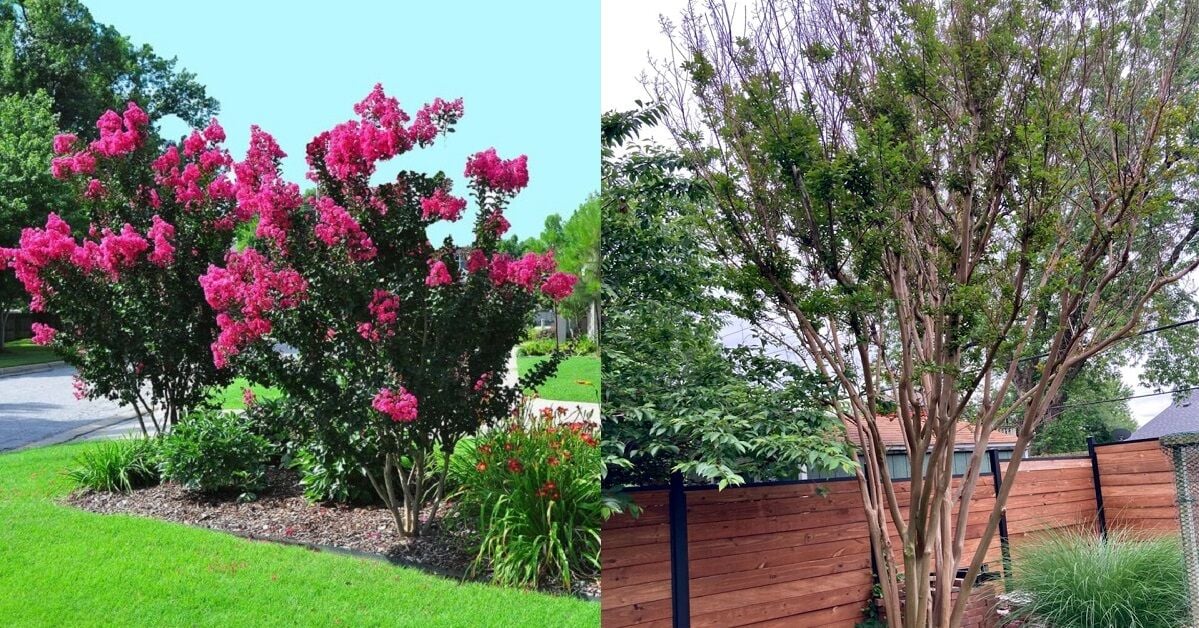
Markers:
891,431
1179,417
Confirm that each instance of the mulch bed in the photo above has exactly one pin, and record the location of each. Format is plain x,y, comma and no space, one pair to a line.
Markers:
280,513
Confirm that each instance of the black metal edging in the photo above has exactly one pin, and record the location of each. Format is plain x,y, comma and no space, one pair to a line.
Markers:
1098,487
680,577
1004,544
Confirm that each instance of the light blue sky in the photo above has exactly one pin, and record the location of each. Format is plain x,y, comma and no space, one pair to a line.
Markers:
528,71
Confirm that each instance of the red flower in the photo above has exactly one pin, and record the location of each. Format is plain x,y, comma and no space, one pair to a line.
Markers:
515,466
482,466
553,461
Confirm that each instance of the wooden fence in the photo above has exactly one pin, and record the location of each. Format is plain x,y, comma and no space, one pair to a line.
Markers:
798,553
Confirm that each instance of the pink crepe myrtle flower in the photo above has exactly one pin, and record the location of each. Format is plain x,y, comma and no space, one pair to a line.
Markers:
213,132
399,404
247,397
476,261
244,293
36,249
193,144
82,162
335,226
369,332
385,307
442,205
497,224
120,134
64,143
43,334
500,268
559,285
528,270
507,176
81,389
482,382
95,190
161,233
439,275
119,251
433,118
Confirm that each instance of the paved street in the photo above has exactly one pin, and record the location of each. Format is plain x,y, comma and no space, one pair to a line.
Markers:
41,405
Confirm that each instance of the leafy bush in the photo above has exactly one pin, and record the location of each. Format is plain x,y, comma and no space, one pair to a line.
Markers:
542,346
328,477
1079,580
534,491
214,451
584,346
117,465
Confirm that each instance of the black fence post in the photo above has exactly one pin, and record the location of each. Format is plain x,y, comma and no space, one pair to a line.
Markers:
1098,487
1004,546
680,578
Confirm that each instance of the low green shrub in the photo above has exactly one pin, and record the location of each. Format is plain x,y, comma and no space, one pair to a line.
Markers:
584,346
1076,580
214,451
117,465
543,346
533,489
327,477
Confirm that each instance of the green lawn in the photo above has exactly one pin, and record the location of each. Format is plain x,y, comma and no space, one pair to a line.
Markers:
24,352
64,567
577,379
231,397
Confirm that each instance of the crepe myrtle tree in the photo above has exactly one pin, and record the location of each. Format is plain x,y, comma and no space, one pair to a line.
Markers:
397,350
930,195
132,317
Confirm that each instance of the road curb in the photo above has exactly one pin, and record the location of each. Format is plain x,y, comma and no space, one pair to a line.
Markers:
9,371
79,432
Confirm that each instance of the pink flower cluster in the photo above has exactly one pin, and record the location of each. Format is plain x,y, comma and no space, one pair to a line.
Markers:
43,334
527,272
508,176
439,275
262,192
244,293
559,285
399,404
111,252
442,205
120,134
205,159
351,149
336,226
385,310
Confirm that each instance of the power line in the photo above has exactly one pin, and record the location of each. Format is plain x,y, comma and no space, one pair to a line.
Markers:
1128,398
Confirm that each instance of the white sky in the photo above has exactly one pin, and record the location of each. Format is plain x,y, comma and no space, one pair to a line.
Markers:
630,32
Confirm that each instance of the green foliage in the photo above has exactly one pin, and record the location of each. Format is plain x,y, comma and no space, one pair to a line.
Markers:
1067,432
116,465
88,67
533,489
673,397
27,191
327,477
214,451
540,346
1078,580
547,346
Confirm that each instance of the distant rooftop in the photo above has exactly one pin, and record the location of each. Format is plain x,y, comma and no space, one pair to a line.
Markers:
1179,417
891,432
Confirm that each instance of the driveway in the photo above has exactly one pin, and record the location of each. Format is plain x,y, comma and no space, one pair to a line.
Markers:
40,407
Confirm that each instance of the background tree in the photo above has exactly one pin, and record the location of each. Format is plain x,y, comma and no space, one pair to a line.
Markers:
27,191
674,398
1086,410
929,196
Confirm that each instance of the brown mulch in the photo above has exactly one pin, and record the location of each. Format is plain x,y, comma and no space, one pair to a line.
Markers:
279,512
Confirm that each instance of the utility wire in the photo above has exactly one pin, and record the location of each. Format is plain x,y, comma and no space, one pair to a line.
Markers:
1128,398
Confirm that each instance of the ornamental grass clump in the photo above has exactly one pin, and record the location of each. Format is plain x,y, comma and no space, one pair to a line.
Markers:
116,465
533,490
1078,580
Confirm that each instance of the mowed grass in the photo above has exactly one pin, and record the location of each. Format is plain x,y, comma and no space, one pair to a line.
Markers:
577,379
63,567
23,353
231,397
